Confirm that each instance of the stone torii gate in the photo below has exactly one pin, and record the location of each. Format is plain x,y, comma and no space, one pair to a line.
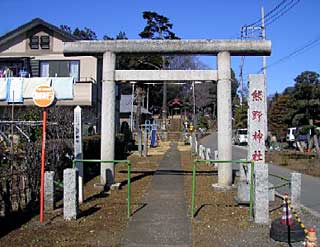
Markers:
223,49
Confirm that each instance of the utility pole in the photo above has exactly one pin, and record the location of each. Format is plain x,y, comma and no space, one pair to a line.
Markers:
194,104
241,78
164,102
148,97
139,104
164,97
264,69
132,101
195,119
12,138
247,32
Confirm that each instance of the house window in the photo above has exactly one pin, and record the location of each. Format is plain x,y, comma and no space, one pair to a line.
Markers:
44,69
60,68
74,69
45,42
34,42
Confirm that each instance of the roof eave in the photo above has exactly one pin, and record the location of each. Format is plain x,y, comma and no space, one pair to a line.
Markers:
33,23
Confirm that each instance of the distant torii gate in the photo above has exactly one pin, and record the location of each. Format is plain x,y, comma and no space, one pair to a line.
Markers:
223,49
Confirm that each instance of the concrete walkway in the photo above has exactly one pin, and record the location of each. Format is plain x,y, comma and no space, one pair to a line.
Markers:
163,221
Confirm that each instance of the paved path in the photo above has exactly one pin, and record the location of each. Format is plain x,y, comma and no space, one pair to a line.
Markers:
310,185
163,221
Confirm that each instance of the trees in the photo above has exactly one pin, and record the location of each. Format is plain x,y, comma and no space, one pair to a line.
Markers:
308,77
66,28
158,27
306,94
206,94
25,160
280,114
120,35
241,115
297,105
84,34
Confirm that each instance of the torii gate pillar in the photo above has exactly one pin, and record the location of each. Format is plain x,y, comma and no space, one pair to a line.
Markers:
224,118
108,118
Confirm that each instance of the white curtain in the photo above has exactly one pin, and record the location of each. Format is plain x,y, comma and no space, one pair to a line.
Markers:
44,69
74,70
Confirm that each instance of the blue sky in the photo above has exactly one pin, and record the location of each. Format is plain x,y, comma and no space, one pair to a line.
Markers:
201,19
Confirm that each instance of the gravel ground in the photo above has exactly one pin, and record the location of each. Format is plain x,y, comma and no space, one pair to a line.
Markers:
219,221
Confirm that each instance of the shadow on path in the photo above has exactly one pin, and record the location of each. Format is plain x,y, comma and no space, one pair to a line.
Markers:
17,219
214,205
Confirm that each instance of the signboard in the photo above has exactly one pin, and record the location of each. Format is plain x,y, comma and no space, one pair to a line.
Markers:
256,119
77,124
256,142
43,96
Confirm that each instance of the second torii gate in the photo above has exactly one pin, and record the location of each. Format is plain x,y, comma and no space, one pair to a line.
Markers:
223,49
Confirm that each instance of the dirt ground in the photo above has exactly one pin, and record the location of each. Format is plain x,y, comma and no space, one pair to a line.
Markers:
103,220
219,221
103,217
301,162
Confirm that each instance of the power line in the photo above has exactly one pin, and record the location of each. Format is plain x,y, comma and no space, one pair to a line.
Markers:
249,31
269,13
282,12
274,14
309,45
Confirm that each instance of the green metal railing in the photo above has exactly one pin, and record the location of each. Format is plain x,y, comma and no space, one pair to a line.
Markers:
287,183
58,184
280,177
194,171
280,186
115,162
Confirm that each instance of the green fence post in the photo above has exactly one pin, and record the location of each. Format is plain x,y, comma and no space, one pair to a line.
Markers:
251,199
129,189
251,190
73,163
193,188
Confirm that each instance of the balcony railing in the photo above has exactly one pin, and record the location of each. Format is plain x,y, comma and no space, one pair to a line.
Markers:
85,93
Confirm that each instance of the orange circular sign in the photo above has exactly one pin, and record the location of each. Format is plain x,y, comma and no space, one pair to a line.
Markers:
43,96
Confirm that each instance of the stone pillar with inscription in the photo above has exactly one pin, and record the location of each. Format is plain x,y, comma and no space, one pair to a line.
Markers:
256,144
77,136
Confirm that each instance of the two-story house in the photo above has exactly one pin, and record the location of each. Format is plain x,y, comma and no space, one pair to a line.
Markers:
35,49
